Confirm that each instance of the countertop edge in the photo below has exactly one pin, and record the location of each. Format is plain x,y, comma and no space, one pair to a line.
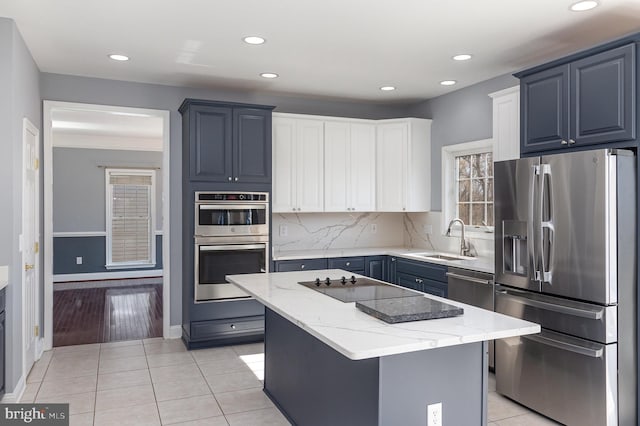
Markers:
395,349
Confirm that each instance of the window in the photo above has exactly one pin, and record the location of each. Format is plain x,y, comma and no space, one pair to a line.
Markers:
467,182
130,218
474,188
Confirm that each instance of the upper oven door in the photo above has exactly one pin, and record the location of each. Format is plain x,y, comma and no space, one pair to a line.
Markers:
231,219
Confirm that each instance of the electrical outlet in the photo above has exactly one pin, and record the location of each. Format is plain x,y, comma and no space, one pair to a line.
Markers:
434,414
428,229
284,230
79,260
373,228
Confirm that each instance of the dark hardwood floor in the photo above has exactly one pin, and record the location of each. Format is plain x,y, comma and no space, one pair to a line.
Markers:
96,315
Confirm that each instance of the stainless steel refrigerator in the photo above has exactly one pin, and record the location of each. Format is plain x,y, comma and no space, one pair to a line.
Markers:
566,258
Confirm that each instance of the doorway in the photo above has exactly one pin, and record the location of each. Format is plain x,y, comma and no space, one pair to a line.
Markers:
107,223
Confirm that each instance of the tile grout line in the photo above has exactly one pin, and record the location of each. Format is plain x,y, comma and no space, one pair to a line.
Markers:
153,388
209,386
95,401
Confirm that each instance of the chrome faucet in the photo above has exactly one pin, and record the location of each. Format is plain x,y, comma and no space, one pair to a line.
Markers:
465,247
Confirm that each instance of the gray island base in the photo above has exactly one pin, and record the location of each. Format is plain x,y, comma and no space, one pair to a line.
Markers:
313,384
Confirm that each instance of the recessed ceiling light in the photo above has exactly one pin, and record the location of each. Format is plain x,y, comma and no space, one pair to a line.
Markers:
387,88
254,40
462,57
269,75
118,57
581,6
448,82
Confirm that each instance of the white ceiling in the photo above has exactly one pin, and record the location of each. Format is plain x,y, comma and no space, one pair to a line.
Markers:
105,123
334,48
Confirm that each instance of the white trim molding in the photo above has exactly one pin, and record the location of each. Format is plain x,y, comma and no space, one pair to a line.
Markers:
74,234
48,109
449,154
93,141
16,395
175,332
98,276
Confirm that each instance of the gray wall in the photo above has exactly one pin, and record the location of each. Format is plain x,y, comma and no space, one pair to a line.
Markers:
461,116
19,85
58,87
79,203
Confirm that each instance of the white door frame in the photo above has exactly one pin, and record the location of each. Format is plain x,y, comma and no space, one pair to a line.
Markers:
48,108
28,126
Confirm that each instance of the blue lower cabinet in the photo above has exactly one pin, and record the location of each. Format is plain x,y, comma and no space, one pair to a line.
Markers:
353,264
300,265
422,276
376,267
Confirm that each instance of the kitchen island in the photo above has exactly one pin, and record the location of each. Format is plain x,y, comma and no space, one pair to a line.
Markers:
328,363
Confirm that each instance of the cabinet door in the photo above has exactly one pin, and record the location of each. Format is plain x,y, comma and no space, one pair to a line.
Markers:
409,281
211,145
375,267
336,166
436,288
603,97
545,109
252,145
284,165
391,179
391,270
506,125
301,265
310,165
362,168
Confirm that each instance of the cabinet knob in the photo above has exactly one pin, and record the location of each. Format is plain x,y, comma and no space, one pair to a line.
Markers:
294,209
302,266
233,326
348,263
404,208
563,142
236,179
571,141
417,280
229,178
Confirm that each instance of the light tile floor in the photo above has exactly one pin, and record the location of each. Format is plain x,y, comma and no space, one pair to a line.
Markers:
159,382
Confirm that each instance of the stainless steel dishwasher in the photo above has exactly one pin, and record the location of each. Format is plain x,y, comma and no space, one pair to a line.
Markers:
473,288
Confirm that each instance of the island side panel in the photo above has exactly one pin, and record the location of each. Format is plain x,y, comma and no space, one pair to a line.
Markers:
312,383
456,376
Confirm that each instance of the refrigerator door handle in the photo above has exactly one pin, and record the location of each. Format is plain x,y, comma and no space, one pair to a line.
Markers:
546,272
568,310
565,346
531,246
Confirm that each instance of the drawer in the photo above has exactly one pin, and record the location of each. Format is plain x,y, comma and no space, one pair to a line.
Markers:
226,327
422,269
3,298
352,264
300,265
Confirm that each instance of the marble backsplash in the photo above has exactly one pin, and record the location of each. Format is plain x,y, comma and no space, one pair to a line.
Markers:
322,231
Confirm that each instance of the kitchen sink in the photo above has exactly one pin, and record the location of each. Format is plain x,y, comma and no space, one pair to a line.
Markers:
439,256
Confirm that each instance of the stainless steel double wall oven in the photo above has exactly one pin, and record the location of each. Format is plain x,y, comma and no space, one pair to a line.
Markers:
231,237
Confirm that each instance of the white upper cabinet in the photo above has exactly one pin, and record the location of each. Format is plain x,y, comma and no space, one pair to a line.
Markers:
403,173
506,124
298,165
350,150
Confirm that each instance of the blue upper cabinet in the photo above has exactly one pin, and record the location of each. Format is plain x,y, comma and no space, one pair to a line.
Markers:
586,101
252,145
226,142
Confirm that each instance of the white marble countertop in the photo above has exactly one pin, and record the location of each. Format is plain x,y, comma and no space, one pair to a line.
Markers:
475,264
357,335
4,276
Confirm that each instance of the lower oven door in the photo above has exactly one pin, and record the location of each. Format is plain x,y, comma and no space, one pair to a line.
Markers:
570,380
215,261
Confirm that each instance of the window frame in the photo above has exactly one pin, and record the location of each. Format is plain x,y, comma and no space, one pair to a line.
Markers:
110,171
449,195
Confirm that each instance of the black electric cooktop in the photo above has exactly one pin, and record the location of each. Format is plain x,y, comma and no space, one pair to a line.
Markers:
383,301
352,289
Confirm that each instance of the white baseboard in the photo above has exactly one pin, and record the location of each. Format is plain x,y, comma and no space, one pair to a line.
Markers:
175,332
16,395
96,276
39,347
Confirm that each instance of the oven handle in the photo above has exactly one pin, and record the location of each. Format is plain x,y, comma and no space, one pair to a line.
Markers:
233,207
232,247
